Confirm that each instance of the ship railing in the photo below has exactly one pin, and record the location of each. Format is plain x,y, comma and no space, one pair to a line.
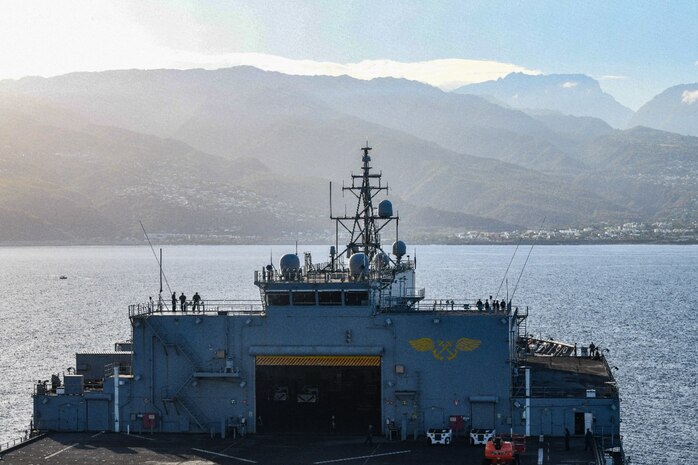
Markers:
599,392
608,447
206,307
398,303
5,446
124,369
324,275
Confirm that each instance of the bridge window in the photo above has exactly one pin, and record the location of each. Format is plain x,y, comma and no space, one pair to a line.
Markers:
356,298
278,298
330,297
304,298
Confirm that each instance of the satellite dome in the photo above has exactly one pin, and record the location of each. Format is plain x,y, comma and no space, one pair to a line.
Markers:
385,209
399,249
380,261
289,263
358,264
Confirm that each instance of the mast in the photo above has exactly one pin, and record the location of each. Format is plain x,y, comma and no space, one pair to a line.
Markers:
365,226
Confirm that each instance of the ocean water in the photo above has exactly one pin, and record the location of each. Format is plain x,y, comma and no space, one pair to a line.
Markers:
638,301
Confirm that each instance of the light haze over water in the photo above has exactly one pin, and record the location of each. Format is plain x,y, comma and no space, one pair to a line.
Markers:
639,301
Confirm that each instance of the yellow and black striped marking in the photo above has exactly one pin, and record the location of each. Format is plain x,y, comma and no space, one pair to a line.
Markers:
319,360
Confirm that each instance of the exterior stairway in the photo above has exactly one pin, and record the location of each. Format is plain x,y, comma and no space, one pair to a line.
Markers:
179,397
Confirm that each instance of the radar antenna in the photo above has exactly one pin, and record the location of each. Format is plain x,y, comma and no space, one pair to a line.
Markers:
365,226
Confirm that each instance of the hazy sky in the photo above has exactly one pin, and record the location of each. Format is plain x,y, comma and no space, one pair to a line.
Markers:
635,48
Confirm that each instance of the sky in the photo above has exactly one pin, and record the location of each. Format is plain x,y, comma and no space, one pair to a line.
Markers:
636,49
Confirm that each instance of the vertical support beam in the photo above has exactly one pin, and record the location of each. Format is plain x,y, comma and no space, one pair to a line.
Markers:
116,399
528,401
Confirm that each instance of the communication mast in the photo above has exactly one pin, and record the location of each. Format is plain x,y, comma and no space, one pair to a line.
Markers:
365,226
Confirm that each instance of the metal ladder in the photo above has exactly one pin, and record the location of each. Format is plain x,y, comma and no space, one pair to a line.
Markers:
179,397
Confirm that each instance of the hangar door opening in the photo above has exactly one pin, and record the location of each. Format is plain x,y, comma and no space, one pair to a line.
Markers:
303,393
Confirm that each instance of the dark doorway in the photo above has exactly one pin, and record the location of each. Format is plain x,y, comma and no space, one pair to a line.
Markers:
579,423
304,399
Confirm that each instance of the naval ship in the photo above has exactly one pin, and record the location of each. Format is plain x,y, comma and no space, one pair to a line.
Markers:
344,346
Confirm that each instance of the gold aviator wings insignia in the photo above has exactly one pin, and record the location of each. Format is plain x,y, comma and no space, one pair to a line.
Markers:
422,344
466,344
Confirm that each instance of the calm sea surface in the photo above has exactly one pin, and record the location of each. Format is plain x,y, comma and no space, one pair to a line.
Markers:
640,302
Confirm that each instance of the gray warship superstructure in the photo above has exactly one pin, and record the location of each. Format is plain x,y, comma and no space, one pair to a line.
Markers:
334,347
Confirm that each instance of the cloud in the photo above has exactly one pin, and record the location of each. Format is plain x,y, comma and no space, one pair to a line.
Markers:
446,74
56,44
569,85
689,96
610,77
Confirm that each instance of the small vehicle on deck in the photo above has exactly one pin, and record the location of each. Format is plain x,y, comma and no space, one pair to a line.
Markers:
500,452
442,436
479,437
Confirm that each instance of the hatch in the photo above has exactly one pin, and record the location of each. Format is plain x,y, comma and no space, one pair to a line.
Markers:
303,393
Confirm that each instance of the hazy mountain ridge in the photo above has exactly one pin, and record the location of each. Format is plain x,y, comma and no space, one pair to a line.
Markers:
243,153
223,111
96,184
570,94
674,110
658,170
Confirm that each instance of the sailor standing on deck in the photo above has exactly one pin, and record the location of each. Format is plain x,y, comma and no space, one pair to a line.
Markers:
183,302
174,301
588,440
196,299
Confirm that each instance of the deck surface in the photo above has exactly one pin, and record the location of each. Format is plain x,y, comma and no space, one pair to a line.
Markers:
171,449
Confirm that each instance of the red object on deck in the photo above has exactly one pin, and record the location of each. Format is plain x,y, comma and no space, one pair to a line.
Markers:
456,422
149,420
499,452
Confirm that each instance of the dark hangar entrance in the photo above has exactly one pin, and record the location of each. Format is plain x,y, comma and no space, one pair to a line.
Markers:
300,394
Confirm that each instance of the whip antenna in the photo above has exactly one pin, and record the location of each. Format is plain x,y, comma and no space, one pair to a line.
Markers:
496,294
527,256
159,260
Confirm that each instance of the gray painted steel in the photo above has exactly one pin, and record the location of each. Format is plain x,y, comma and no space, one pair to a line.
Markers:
196,371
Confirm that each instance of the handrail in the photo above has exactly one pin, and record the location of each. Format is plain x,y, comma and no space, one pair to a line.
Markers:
235,307
322,275
28,436
551,393
439,305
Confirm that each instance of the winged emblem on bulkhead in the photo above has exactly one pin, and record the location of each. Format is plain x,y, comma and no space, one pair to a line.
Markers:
444,349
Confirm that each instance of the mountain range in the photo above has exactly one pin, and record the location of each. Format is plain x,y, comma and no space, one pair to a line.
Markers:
243,155
674,110
573,94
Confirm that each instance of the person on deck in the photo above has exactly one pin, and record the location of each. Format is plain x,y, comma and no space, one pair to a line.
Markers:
588,440
174,301
183,302
369,436
196,299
